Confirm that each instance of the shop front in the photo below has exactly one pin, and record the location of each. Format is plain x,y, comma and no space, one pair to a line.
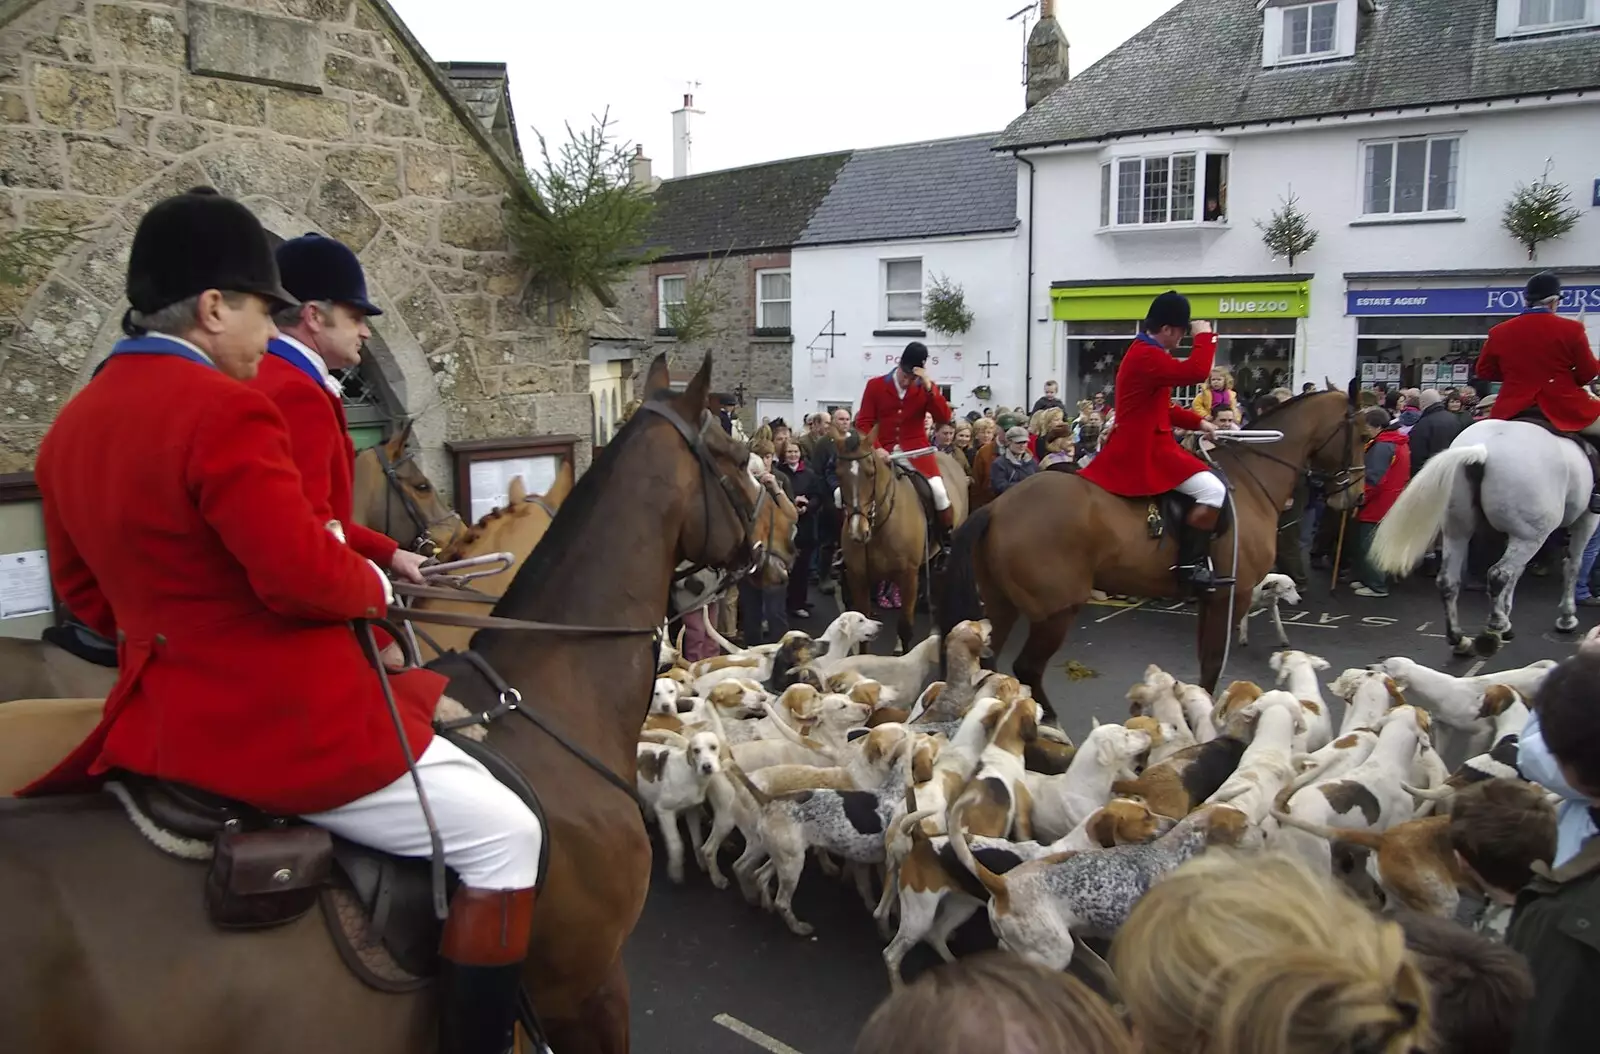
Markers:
1258,324
1431,337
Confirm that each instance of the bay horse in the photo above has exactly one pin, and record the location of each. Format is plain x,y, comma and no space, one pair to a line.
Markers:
391,495
1040,548
107,948
1514,477
884,536
515,529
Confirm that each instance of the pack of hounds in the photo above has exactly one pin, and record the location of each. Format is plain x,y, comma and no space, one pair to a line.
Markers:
939,785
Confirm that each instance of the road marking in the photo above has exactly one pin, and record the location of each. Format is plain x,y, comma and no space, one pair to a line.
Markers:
1475,667
1121,611
754,1035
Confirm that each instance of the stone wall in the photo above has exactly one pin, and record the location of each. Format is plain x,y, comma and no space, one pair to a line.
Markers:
325,119
739,357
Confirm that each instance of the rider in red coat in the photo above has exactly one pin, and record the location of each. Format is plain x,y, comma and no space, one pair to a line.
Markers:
175,518
1543,360
1140,457
325,332
898,403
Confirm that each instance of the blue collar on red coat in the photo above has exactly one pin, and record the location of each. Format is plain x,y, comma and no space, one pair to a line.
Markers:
282,349
1153,342
1537,311
156,344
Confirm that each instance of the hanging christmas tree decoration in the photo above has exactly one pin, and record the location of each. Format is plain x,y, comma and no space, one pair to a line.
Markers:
1540,212
1289,232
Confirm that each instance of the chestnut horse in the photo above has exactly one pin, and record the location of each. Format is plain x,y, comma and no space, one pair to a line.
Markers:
391,494
884,537
1038,549
107,948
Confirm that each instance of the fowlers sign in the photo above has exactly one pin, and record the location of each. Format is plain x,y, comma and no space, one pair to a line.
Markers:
1495,300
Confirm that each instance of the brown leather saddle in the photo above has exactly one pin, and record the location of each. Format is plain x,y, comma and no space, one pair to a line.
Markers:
270,870
1167,513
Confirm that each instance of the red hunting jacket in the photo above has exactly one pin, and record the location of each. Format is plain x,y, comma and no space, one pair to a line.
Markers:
175,518
1542,360
1140,457
901,421
321,444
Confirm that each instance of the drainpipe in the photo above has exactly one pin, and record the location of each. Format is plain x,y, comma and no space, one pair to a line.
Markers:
1027,318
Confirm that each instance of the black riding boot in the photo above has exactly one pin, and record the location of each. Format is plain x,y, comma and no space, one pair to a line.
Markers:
1194,549
485,941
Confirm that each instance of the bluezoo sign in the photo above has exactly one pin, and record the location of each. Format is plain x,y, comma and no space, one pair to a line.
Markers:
1499,300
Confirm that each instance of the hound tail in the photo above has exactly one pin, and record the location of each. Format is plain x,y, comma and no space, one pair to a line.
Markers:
1351,836
1433,794
995,884
1409,528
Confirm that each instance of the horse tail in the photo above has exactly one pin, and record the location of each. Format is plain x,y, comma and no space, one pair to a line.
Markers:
959,599
1410,527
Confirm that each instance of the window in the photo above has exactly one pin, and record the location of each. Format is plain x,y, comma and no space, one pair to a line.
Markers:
1310,31
903,290
772,300
1408,176
1151,191
1551,14
671,291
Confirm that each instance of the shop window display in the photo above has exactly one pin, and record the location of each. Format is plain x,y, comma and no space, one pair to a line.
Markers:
1428,351
1259,353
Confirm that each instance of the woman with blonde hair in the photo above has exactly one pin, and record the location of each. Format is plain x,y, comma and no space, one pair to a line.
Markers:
1263,956
1217,393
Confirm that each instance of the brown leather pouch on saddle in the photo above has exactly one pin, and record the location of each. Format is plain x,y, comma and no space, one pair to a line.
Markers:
267,878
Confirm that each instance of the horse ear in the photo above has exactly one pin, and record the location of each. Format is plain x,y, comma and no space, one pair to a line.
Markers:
517,492
395,445
1327,382
699,389
658,378
1355,392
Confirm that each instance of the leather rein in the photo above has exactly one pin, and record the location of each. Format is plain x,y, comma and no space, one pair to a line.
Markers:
1333,482
423,539
871,510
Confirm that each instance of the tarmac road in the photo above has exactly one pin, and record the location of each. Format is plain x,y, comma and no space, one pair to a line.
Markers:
706,969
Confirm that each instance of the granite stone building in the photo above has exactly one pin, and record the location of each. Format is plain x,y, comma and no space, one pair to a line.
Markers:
321,115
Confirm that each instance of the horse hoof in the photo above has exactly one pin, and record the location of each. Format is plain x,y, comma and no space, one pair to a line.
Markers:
1464,648
1566,623
1486,644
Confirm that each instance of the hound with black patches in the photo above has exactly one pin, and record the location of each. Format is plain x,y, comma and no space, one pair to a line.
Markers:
1510,712
672,782
1457,702
1267,765
1038,908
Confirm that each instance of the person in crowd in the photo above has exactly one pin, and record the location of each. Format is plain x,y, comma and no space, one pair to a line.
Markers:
1388,470
762,609
725,405
1544,360
1470,401
825,463
996,1003
1262,954
1090,431
1099,404
990,439
809,501
1558,914
1014,464
1051,399
1410,411
1456,407
1040,425
1060,453
1479,989
963,442
944,441
1583,589
1434,431
1217,393
1499,830
812,428
1392,401
698,643
988,411
1226,419
781,432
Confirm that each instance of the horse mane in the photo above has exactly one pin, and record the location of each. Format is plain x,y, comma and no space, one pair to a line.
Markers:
1296,400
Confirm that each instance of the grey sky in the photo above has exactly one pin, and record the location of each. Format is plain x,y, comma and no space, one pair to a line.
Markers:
776,80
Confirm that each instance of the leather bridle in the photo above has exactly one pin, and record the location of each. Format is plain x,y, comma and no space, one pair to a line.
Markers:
423,540
868,512
1337,482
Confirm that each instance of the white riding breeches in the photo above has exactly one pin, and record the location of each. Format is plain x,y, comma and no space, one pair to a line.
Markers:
941,499
490,837
1205,488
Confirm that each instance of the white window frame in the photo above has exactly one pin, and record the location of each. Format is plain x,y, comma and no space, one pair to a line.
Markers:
921,289
1426,213
661,297
1110,185
762,302
1311,13
1508,21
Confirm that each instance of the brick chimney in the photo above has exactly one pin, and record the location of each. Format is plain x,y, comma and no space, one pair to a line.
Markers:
1047,55
639,170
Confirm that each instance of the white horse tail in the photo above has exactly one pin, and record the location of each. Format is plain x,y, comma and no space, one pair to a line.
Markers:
1409,528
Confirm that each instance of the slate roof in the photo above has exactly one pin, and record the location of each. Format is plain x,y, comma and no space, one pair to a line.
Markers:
485,89
740,210
1199,66
918,190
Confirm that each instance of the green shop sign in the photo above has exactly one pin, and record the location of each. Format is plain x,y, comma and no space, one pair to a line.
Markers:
1210,300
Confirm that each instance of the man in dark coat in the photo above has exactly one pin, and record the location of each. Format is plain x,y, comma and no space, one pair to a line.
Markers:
825,464
1434,431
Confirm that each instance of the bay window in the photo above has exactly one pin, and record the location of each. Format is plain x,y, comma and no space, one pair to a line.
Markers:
1164,189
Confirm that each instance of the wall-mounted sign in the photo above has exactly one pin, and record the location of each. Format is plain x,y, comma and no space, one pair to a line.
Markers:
1495,300
1207,300
24,584
486,467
